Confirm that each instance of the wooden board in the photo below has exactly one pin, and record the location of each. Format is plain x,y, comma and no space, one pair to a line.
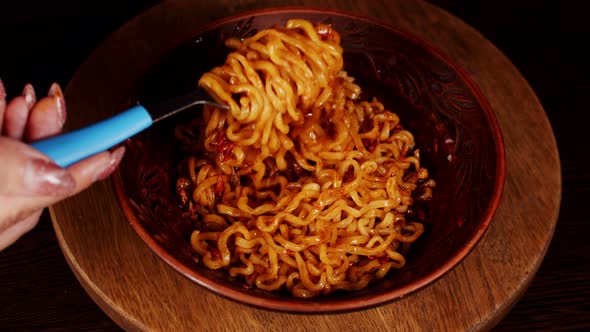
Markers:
140,292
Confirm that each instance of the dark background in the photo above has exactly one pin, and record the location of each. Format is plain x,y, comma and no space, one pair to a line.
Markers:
45,41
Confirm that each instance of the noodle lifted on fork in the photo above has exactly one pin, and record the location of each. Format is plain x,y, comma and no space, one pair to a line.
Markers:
299,185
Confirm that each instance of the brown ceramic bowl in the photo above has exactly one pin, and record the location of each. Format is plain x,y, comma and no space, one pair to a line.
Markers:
454,126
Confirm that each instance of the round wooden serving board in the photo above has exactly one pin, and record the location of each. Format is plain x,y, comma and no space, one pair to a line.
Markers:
140,292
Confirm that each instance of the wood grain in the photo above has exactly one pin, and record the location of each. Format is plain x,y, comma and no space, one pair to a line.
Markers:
141,293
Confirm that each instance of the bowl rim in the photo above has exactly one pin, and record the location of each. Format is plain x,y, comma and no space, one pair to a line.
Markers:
335,304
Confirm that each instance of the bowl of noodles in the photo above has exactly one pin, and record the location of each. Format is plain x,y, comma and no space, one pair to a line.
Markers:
355,164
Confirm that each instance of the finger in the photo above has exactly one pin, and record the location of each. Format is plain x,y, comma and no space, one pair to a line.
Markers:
25,171
27,177
47,116
31,181
2,104
17,113
84,173
9,235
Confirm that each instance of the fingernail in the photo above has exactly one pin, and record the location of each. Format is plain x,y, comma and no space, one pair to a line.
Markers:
55,91
43,177
2,91
29,94
116,157
2,103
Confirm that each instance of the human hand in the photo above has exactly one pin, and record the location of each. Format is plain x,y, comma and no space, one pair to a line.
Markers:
29,180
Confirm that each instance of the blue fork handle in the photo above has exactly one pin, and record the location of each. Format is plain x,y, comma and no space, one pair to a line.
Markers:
74,146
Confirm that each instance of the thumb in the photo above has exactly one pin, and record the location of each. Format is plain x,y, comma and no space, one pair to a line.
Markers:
25,171
31,181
